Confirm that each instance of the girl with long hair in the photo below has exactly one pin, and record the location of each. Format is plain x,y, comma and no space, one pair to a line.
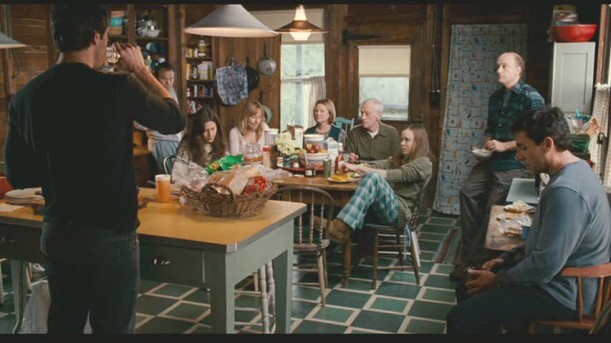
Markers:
388,187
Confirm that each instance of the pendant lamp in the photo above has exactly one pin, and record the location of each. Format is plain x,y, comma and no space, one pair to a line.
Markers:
7,42
231,21
300,28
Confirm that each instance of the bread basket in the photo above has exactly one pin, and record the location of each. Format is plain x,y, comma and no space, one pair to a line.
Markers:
213,203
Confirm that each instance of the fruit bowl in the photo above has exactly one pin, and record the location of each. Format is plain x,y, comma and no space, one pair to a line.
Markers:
317,158
574,33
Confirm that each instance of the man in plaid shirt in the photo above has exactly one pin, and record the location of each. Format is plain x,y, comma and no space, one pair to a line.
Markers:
490,179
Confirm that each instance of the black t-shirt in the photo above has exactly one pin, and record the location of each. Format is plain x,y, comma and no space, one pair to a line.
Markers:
70,131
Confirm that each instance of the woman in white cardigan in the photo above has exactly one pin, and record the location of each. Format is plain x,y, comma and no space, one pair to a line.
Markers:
250,129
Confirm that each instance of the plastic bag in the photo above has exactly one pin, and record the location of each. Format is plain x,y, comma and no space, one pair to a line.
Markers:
225,163
188,173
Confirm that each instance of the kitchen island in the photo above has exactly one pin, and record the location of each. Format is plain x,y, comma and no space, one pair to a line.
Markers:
183,246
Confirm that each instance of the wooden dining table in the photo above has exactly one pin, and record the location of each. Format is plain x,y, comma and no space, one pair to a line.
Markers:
181,245
341,192
496,237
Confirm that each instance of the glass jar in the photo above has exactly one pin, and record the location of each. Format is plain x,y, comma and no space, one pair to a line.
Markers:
253,154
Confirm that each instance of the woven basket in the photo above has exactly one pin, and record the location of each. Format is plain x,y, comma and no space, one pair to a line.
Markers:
212,203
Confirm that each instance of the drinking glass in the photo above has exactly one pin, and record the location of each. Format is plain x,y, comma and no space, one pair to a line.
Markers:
112,56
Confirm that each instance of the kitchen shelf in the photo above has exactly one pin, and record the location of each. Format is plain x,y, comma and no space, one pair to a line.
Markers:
201,81
152,39
199,59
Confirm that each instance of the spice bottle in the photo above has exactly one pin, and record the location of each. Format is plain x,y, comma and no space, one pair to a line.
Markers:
202,48
267,156
309,170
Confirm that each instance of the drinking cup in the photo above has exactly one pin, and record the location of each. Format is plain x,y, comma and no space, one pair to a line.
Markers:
163,187
112,56
525,232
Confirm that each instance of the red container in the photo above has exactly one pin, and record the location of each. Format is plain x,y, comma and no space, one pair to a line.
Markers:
574,33
5,186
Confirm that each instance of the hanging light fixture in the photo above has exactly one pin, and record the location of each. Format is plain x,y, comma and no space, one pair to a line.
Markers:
231,21
7,42
300,28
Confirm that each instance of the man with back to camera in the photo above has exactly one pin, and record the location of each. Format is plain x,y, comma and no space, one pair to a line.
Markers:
372,139
70,132
489,181
159,144
571,228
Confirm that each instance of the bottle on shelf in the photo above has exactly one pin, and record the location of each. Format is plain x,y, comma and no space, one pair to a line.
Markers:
202,48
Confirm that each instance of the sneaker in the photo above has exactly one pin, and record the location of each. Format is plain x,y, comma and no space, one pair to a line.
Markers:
38,271
339,232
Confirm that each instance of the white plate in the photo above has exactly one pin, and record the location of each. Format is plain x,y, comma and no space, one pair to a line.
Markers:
519,207
18,201
23,193
481,153
339,181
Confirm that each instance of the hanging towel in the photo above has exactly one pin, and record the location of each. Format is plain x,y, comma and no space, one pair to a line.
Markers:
232,84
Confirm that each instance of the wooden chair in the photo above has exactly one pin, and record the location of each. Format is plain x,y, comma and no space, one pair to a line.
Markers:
1,282
344,123
602,272
396,241
264,286
309,240
168,163
601,326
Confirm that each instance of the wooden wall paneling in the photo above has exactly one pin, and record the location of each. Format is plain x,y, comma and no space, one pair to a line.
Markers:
30,25
602,61
336,57
253,49
175,50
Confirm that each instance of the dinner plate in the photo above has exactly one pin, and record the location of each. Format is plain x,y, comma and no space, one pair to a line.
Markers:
20,201
339,181
25,193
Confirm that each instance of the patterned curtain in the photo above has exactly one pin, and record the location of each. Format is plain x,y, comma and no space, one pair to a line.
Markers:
471,79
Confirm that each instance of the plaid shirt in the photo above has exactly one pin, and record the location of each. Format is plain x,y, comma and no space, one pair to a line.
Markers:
504,107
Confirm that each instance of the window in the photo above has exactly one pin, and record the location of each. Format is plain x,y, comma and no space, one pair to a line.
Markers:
303,70
384,74
302,67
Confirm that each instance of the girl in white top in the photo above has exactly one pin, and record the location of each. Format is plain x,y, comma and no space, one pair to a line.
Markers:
250,129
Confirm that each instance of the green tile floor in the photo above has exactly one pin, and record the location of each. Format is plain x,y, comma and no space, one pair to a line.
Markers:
397,305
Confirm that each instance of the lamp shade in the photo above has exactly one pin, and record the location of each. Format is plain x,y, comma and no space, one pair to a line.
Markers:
300,28
231,21
7,42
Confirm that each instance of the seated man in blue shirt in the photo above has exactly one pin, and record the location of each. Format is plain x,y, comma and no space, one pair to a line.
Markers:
571,227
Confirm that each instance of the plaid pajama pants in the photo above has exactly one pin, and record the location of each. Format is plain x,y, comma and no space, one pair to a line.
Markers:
373,196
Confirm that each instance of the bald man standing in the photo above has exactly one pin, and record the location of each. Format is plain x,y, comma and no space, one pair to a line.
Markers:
489,181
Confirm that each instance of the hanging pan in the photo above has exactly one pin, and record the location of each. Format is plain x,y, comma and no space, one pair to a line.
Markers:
267,65
252,75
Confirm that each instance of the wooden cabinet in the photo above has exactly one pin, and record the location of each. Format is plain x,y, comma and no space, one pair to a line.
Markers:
572,76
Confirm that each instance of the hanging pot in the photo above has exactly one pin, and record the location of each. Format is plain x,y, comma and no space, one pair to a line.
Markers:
267,66
267,110
252,76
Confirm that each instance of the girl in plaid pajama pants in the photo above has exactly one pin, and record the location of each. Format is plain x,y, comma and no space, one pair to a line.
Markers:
388,186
